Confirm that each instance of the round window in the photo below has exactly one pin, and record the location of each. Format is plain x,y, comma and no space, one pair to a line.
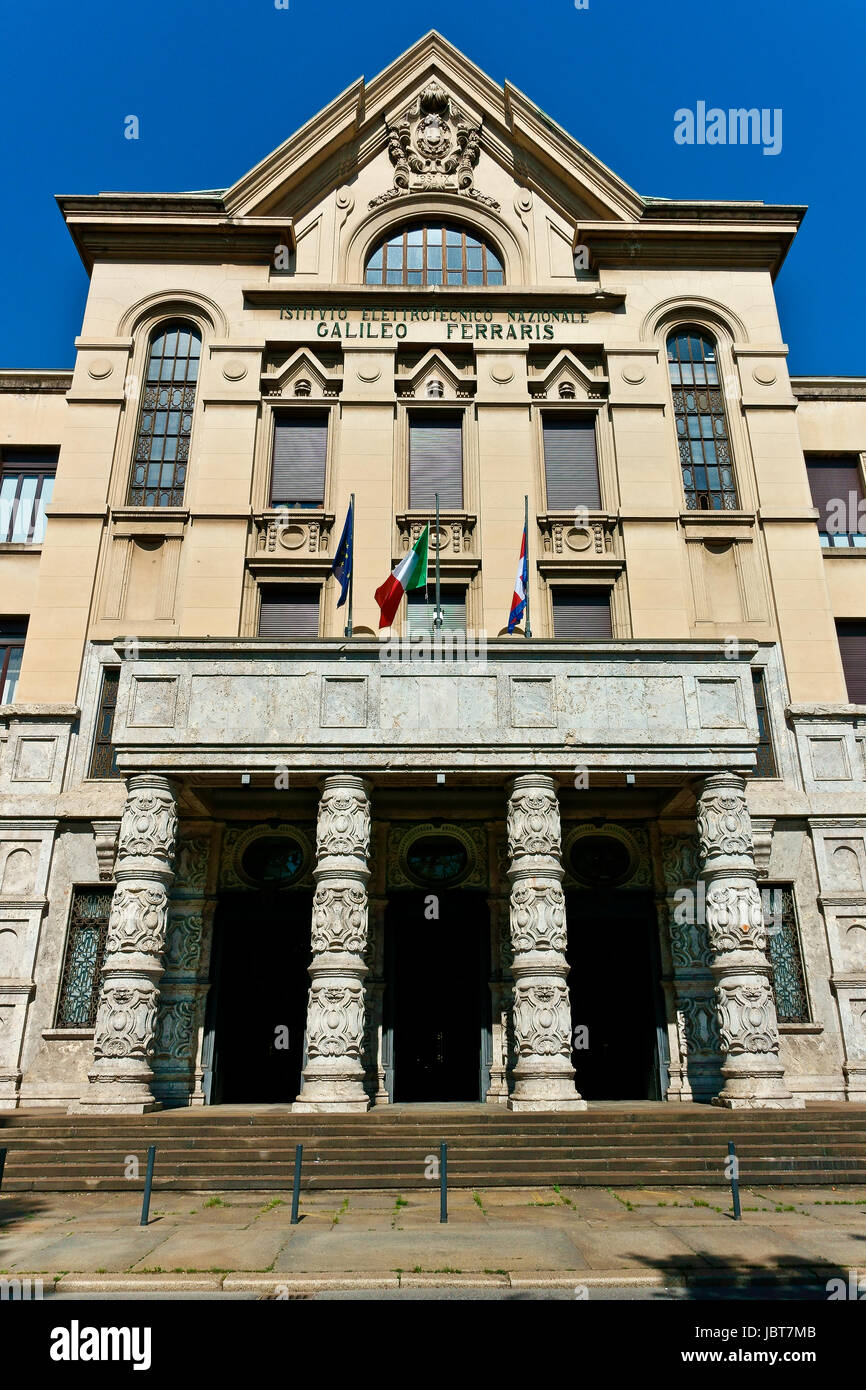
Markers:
274,861
437,859
600,860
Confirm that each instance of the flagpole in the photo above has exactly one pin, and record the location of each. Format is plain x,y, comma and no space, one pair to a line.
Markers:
437,620
527,629
348,627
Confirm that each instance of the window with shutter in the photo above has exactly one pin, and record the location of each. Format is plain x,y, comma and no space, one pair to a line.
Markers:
12,634
436,461
852,648
581,615
837,494
422,609
289,610
300,452
571,463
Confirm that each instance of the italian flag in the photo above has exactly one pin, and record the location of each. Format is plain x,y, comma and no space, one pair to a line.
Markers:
411,573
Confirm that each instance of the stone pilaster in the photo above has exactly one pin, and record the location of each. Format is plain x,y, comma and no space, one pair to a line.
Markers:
120,1082
754,1078
543,1076
334,1074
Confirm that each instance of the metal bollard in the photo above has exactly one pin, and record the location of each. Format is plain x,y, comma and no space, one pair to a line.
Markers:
443,1183
735,1181
3,1153
296,1185
148,1184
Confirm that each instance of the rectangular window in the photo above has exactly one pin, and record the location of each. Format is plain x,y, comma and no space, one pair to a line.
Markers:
436,461
571,463
783,950
421,609
581,615
289,610
103,762
837,494
85,954
852,649
300,453
12,634
26,487
766,757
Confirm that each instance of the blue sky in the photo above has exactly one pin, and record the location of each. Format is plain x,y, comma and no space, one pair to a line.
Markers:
216,84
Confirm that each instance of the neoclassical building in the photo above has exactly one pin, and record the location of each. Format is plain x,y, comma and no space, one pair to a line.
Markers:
251,852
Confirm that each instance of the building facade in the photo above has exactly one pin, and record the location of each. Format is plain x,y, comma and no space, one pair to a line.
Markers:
247,855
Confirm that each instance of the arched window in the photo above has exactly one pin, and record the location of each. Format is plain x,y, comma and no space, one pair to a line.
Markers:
702,430
433,253
165,422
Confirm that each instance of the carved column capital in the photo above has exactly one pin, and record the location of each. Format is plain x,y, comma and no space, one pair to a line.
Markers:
533,822
724,828
343,826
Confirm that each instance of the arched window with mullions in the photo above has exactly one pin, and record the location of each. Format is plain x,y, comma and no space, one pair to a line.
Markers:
434,253
165,420
702,427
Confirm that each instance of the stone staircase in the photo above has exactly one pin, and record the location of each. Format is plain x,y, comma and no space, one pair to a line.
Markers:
624,1145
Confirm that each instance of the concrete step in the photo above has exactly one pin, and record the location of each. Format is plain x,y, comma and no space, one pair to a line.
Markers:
667,1147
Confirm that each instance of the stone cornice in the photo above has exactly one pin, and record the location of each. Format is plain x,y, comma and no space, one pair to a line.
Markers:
825,712
154,227
755,237
829,388
18,379
497,298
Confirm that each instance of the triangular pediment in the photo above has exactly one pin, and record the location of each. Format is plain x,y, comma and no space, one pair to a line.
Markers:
567,378
302,376
435,378
361,123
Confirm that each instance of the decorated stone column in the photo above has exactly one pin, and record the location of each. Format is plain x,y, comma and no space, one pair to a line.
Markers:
334,1074
120,1082
754,1078
543,1076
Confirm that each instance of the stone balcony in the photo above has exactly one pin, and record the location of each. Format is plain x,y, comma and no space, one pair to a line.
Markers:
297,531
592,537
225,707
455,537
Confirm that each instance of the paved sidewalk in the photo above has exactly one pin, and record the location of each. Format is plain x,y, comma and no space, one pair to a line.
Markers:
517,1237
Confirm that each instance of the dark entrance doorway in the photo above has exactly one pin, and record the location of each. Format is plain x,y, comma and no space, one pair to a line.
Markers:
616,994
437,997
259,984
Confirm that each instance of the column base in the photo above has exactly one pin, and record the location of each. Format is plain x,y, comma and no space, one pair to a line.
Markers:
330,1107
553,1105
125,1095
759,1103
764,1091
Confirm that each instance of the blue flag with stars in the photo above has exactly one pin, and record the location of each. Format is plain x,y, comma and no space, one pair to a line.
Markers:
342,566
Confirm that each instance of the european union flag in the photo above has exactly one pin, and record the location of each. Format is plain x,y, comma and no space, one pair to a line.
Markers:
342,566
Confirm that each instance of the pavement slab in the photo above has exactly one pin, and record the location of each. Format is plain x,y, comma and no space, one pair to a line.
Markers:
644,1245
744,1243
87,1252
216,1248
356,1235
453,1249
